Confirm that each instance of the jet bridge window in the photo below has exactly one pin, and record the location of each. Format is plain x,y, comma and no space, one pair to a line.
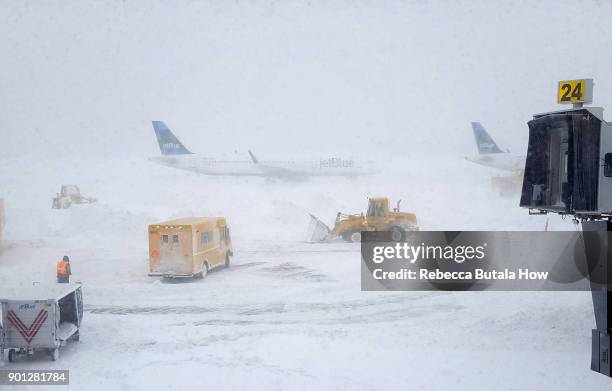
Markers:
608,165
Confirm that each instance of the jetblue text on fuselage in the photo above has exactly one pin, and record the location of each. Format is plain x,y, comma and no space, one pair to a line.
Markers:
335,162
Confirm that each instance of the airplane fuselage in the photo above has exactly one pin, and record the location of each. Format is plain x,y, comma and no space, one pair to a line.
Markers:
323,167
502,161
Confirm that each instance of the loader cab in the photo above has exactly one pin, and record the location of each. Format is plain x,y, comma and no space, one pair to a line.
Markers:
378,212
378,207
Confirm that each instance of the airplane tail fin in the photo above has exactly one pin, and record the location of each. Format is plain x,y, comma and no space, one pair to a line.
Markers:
168,143
484,142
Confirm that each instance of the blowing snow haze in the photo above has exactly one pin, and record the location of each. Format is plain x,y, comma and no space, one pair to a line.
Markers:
402,78
94,94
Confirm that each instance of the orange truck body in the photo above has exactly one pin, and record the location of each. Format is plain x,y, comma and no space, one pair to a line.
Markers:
188,247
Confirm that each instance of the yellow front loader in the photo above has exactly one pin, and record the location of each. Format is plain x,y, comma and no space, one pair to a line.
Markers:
379,217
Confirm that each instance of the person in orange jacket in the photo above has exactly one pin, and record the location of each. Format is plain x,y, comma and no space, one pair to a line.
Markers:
63,270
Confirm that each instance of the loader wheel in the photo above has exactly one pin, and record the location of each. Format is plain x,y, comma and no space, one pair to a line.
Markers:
356,237
347,236
397,234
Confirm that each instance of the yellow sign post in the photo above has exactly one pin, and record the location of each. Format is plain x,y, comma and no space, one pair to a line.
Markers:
575,91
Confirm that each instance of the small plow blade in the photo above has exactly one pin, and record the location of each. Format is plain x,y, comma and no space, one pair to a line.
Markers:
317,231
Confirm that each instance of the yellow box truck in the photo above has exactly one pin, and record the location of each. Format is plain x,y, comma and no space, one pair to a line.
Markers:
189,247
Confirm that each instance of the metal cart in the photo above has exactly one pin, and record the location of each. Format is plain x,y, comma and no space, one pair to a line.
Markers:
37,317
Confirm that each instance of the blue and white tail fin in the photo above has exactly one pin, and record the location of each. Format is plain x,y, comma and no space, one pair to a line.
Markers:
168,143
484,142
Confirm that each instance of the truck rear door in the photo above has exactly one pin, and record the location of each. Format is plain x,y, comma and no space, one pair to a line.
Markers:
175,251
29,324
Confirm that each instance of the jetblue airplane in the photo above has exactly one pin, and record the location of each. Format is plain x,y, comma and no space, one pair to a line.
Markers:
489,154
174,154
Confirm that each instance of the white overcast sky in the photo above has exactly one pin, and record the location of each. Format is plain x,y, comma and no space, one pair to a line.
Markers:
290,78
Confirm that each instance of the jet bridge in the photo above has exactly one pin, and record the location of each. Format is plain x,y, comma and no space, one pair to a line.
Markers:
568,171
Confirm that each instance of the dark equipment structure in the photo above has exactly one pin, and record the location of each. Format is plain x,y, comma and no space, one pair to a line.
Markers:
568,170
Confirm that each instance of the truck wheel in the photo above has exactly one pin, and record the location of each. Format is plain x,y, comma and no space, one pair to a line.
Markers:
11,355
397,234
54,353
356,237
204,271
227,260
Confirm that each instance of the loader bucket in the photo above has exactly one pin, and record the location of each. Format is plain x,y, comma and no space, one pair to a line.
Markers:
317,231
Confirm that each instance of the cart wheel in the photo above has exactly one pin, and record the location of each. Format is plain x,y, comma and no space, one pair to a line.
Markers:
11,355
227,260
54,353
204,270
76,337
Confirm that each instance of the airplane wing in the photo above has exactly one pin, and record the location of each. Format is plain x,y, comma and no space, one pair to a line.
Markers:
276,171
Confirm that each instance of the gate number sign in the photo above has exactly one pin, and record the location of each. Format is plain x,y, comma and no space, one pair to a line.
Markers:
575,91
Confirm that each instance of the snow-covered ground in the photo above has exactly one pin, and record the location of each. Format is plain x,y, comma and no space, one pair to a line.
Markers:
286,314
393,81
